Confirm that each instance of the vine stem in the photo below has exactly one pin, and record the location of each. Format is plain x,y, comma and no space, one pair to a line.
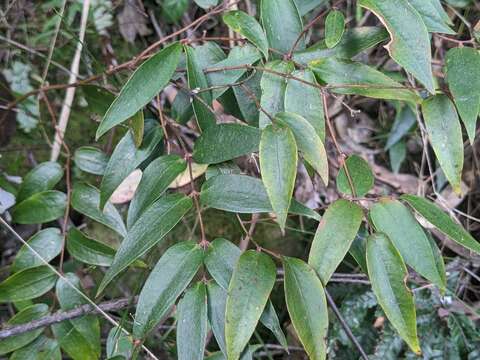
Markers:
203,239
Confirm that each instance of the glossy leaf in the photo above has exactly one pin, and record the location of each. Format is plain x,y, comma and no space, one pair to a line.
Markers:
126,158
307,306
27,284
91,160
47,243
146,82
409,42
434,215
334,28
282,24
172,274
42,178
87,250
217,300
248,292
248,27
156,179
308,142
354,41
244,194
192,323
433,20
40,208
398,223
88,326
197,80
239,56
463,76
360,79
334,236
278,164
306,100
387,273
360,174
147,231
445,135
86,200
273,90
30,313
224,142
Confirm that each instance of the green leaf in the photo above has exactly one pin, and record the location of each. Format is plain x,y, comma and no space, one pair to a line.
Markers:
306,100
172,274
409,42
353,42
282,24
217,300
245,96
147,231
397,154
146,82
462,67
40,208
72,342
27,284
206,4
278,165
442,221
87,326
91,160
197,81
308,142
86,200
192,323
87,250
126,158
361,176
360,79
273,90
358,249
244,194
239,56
33,312
137,126
445,135
119,344
387,273
42,178
42,348
156,179
398,223
431,17
224,142
334,236
248,292
305,6
226,168
47,243
334,28
404,121
307,306
220,260
248,27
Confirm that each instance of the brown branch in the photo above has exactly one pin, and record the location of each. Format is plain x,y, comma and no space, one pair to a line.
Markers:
59,316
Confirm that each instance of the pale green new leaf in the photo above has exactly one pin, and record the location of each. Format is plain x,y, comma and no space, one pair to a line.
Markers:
334,28
278,164
307,306
282,24
334,236
387,273
192,323
306,100
247,26
172,274
445,135
435,216
462,66
147,231
146,82
248,292
398,223
409,42
308,142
